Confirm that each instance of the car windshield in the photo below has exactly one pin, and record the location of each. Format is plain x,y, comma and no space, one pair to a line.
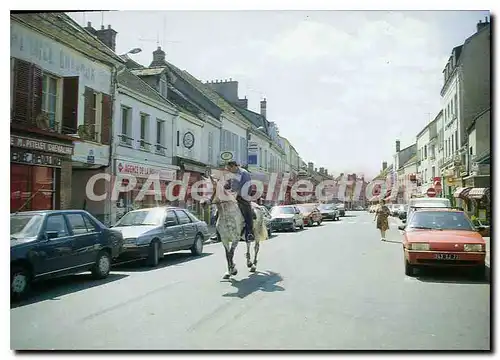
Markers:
25,226
307,208
327,207
440,220
282,210
152,217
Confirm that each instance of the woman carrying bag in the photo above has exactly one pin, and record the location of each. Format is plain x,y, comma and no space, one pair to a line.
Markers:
381,215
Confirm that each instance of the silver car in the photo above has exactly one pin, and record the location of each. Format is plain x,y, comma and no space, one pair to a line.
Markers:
150,233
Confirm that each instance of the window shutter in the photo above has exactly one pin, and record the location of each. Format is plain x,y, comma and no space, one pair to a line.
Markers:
89,113
21,112
36,91
107,104
70,105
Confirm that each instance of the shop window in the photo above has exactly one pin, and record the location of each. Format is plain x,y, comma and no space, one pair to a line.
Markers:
32,188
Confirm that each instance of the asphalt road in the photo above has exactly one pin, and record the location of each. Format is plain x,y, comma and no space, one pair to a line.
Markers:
336,286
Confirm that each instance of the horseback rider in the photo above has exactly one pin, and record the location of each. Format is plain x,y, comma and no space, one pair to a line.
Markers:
236,183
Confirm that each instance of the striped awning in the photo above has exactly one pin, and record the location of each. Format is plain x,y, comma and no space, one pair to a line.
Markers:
477,193
461,192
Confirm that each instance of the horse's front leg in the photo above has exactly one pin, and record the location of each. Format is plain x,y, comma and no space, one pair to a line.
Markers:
249,262
233,271
256,250
229,261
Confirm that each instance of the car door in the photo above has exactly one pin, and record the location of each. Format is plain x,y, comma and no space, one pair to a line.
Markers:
85,238
54,255
174,234
189,228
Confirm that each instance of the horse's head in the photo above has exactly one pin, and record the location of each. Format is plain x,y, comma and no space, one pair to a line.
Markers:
219,193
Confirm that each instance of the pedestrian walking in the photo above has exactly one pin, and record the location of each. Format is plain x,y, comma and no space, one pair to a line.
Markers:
381,216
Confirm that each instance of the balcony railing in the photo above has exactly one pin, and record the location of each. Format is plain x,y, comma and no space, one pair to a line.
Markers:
42,122
160,149
125,140
144,145
87,132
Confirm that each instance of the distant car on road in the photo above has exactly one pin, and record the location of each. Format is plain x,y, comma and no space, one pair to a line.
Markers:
150,233
329,212
311,214
287,217
426,202
442,238
341,209
53,243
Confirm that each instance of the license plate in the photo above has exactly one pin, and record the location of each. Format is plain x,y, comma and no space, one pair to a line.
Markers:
446,256
129,245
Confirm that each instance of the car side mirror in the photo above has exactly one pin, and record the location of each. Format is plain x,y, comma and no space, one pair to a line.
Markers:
51,235
480,228
401,227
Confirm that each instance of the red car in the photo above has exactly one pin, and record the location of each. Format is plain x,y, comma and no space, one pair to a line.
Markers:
311,214
442,237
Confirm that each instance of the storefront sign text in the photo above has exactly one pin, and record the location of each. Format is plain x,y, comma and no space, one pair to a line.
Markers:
144,170
35,144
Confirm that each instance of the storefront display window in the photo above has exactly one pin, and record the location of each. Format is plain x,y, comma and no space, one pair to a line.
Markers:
32,188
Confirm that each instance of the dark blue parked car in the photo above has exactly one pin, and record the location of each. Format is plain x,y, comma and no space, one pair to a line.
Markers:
46,244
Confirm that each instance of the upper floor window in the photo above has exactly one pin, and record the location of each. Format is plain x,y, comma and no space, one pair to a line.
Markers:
425,152
126,122
160,137
210,147
143,140
49,99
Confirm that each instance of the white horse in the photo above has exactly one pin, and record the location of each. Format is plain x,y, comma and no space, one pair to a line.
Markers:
231,225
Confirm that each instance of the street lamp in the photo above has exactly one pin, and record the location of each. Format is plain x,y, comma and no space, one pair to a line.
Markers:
133,51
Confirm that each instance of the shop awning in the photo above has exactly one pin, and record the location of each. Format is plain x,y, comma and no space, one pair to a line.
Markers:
477,193
461,192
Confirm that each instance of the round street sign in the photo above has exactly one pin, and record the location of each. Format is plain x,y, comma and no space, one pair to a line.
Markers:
438,187
431,192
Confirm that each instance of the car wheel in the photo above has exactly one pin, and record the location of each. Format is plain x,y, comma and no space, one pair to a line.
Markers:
20,282
102,265
408,268
197,248
269,233
154,254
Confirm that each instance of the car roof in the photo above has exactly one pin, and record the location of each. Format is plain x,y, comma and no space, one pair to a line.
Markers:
439,209
44,212
159,207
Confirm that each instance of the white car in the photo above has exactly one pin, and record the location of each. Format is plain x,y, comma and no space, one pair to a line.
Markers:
287,217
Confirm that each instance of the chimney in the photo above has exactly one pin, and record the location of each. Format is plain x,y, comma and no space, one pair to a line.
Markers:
263,108
481,24
310,166
228,89
326,172
90,29
384,165
243,103
398,146
158,58
321,170
107,36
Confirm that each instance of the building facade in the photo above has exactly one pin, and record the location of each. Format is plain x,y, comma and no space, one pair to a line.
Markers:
62,87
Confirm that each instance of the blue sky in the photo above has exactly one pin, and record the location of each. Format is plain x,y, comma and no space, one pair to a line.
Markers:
341,85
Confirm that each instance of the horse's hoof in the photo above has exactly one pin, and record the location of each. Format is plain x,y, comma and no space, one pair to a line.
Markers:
234,272
249,264
226,276
253,268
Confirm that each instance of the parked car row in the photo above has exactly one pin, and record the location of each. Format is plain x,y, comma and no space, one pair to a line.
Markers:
291,217
47,244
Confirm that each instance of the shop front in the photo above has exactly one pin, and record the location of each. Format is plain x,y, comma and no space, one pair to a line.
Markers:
40,172
128,200
196,171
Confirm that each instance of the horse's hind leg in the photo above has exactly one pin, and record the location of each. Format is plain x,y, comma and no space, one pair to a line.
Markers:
254,266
